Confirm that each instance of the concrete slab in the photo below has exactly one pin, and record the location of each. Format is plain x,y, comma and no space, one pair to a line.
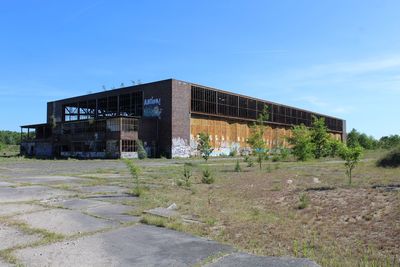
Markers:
245,260
163,212
76,203
8,209
6,184
28,193
11,237
139,245
3,264
49,179
113,198
103,189
104,175
113,212
67,222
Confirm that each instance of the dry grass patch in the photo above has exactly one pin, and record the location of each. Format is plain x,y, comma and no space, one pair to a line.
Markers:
258,211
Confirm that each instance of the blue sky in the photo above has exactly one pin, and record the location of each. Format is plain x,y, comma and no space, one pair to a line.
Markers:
340,58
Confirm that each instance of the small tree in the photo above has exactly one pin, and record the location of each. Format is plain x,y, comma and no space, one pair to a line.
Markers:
351,156
187,174
142,154
137,189
237,166
301,141
204,146
207,177
256,139
319,137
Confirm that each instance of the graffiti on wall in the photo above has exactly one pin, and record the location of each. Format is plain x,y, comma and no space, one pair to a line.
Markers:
180,148
152,108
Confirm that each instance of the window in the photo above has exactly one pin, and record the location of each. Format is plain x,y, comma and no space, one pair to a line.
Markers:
129,125
129,146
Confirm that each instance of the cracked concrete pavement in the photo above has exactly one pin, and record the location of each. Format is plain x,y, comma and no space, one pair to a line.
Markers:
91,226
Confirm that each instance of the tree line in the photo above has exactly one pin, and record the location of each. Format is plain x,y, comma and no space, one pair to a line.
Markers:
355,138
10,138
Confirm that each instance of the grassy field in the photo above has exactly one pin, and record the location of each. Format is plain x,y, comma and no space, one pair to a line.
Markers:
302,209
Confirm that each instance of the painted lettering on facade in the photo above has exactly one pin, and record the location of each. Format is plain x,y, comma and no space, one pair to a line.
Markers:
152,108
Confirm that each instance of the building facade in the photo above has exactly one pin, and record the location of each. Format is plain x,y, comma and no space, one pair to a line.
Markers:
166,116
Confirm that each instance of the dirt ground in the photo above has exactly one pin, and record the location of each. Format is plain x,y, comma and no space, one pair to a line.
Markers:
258,210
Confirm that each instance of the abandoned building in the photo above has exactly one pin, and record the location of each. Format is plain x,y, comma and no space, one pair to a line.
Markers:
166,116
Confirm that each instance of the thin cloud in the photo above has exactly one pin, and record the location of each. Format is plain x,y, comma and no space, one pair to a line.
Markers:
344,70
313,100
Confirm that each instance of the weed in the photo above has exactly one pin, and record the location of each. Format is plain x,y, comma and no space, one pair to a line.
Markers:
153,220
210,221
170,223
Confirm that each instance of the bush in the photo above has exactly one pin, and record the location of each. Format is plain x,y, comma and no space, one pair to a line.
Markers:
301,141
284,153
275,158
142,154
391,159
335,146
207,177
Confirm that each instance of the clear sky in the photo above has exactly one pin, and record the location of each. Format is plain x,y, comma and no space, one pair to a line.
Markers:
340,58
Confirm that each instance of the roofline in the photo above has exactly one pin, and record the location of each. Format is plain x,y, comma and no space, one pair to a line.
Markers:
259,99
195,84
113,90
33,125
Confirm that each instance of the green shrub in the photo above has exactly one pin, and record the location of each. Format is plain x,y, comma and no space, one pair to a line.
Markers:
275,158
301,141
187,174
237,166
233,153
391,159
142,154
304,200
137,189
284,153
207,177
335,146
250,162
